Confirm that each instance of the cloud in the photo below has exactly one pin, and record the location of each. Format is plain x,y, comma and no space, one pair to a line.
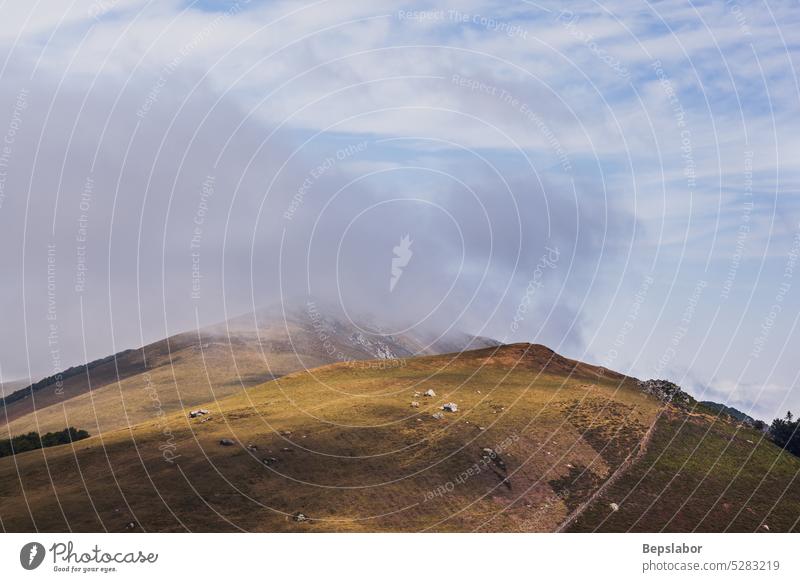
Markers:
625,135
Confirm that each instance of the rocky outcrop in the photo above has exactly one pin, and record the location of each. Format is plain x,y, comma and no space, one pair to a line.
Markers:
666,391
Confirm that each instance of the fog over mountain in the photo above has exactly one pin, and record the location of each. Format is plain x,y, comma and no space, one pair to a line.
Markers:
626,201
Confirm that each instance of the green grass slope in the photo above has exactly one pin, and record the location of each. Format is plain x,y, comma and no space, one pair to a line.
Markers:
702,473
345,448
351,453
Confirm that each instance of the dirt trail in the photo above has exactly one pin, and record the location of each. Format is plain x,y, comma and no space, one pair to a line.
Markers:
634,456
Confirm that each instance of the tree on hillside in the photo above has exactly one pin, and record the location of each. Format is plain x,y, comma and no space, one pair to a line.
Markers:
784,433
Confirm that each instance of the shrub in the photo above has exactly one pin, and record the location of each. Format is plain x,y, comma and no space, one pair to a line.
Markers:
32,441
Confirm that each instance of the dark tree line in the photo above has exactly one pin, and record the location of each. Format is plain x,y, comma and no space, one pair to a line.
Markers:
32,441
783,432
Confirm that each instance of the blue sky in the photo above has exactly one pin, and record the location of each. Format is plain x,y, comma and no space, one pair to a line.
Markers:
646,141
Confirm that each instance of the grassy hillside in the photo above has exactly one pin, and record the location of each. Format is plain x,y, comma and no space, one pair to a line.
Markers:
343,446
138,385
188,369
360,457
701,473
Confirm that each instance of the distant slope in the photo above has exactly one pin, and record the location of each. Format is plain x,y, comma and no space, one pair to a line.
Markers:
72,382
190,368
729,410
12,386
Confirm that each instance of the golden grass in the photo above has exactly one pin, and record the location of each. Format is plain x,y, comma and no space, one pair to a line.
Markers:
361,458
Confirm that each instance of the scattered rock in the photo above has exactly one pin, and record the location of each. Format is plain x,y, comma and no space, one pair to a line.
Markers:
416,394
286,432
299,517
751,442
226,442
269,461
414,404
450,407
287,449
614,507
430,393
438,415
500,468
252,447
198,412
765,526
130,525
481,428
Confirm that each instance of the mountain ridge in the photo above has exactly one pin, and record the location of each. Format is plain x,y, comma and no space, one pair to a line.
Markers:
192,367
